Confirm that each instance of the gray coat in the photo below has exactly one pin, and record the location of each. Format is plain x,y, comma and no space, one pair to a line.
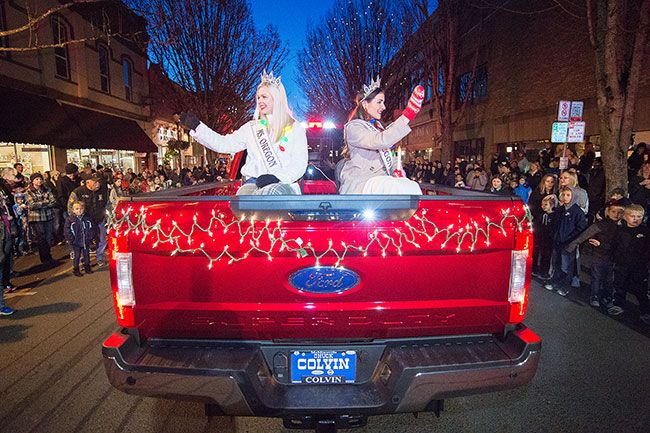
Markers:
363,142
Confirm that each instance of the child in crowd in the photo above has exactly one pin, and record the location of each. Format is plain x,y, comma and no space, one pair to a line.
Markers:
522,189
80,231
543,246
513,184
569,222
617,194
496,186
460,183
631,253
601,236
21,243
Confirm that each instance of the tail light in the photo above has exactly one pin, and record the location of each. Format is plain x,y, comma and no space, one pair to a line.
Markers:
520,275
122,280
123,265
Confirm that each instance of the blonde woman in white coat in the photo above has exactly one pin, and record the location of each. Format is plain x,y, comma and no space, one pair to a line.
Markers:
275,141
370,167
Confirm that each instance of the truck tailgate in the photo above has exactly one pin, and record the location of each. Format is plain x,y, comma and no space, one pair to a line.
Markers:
205,270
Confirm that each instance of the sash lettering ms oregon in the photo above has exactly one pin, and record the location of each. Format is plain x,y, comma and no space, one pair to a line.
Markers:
270,158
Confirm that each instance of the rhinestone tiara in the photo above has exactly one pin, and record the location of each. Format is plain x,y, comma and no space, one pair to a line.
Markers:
374,85
270,79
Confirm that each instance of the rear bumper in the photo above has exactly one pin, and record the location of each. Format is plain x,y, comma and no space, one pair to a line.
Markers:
251,378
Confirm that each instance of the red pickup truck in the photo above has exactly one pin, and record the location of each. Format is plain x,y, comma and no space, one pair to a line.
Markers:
320,309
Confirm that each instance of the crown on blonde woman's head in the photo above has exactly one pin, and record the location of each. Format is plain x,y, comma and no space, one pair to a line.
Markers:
374,85
270,79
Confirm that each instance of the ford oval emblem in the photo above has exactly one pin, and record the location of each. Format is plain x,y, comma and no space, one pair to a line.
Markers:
324,280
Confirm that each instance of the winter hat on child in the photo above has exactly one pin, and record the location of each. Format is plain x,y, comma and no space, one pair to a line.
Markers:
35,176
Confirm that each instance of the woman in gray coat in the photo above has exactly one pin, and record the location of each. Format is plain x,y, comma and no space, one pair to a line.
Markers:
370,166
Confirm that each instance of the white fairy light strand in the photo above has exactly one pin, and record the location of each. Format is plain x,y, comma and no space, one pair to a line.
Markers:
271,231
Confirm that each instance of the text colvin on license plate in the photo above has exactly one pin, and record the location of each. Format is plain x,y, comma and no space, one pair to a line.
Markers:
323,367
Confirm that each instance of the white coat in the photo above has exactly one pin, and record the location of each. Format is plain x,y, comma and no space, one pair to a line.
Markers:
293,160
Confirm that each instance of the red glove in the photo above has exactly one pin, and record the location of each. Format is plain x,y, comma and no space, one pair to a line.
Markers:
415,103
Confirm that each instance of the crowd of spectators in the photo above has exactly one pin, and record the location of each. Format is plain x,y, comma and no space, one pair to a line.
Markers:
570,207
52,208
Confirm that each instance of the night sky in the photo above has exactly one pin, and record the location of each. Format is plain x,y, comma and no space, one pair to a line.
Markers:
292,19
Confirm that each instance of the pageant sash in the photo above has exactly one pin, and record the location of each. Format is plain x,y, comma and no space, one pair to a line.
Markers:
268,154
387,159
385,154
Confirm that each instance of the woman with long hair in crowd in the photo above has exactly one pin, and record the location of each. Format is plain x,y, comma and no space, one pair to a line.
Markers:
547,186
370,166
541,219
570,178
275,141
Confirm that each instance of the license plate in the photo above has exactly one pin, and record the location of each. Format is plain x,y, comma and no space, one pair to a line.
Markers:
323,366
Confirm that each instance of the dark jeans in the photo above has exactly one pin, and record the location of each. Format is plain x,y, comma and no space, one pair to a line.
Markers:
601,277
542,254
78,252
563,266
58,225
102,241
43,232
633,279
21,244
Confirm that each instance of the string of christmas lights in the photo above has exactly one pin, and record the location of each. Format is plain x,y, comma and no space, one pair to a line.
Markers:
267,237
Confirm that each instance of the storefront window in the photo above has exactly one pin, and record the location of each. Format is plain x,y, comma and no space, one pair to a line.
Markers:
122,159
34,157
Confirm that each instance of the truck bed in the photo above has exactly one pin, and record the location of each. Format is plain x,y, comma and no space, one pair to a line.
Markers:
207,266
320,309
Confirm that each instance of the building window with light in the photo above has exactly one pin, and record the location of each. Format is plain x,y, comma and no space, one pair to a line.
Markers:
480,89
104,71
61,34
127,68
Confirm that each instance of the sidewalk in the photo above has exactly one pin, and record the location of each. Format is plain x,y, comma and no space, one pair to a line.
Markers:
30,273
581,296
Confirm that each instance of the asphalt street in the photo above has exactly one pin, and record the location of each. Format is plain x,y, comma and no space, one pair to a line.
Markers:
594,374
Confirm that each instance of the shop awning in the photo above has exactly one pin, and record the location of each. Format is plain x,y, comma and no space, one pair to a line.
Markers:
108,132
29,118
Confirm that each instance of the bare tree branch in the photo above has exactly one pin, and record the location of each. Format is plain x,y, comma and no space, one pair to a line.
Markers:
212,54
436,49
37,47
33,22
100,24
349,47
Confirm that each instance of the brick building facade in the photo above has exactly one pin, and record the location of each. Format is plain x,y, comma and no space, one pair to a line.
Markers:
85,102
527,62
